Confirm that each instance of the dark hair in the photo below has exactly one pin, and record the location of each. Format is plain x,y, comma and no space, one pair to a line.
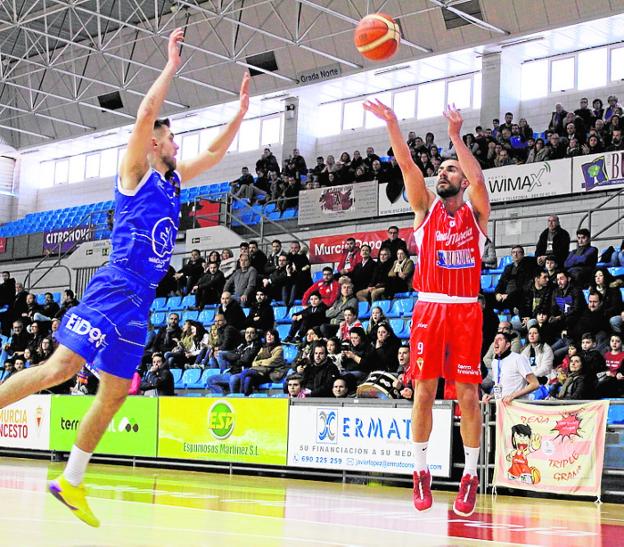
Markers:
359,331
518,247
551,257
243,244
196,251
48,293
509,114
318,343
393,227
315,293
163,122
276,241
495,120
588,336
350,239
158,354
69,293
599,100
328,269
594,292
351,309
276,335
365,245
8,273
583,232
520,429
253,242
297,377
539,272
505,335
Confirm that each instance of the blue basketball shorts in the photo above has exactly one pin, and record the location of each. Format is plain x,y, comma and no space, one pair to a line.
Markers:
109,326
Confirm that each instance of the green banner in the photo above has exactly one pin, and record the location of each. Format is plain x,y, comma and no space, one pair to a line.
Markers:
132,432
231,430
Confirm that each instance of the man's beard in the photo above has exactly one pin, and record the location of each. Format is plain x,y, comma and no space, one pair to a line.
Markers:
170,162
447,192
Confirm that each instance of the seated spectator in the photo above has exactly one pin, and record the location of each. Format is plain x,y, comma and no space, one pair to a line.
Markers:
335,313
611,109
257,258
242,283
207,346
578,384
302,269
186,348
547,329
380,281
294,383
370,158
289,197
405,389
557,119
377,318
354,355
69,301
592,356
209,286
364,270
158,380
165,339
512,373
44,351
232,311
350,258
597,109
327,287
273,258
340,388
362,175
539,354
87,383
581,262
18,341
574,148
558,147
554,240
379,172
515,276
319,375
189,274
489,260
400,274
617,143
594,146
227,340
34,336
611,382
234,362
503,159
276,186
300,163
540,152
357,161
261,315
228,263
567,301
585,113
605,284
48,310
535,296
385,351
269,359
349,322
281,282
32,308
504,327
9,370
319,167
244,187
313,315
268,162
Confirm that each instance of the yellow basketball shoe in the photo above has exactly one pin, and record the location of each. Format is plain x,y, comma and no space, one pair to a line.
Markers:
74,498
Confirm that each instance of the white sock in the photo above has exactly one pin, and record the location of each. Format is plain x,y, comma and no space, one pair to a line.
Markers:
76,465
472,459
420,453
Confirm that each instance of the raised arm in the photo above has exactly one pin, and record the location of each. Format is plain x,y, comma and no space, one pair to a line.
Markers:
419,197
479,196
135,163
190,169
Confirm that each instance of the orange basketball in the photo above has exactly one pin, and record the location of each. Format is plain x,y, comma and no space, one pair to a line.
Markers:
377,37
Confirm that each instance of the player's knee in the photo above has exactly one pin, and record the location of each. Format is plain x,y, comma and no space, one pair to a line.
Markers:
62,370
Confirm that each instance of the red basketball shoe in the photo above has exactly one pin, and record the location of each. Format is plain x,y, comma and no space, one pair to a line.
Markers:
422,491
467,497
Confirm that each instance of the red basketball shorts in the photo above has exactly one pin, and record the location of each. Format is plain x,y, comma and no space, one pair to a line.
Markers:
445,340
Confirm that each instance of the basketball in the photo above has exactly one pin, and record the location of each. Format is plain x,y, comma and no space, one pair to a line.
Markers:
377,37
536,476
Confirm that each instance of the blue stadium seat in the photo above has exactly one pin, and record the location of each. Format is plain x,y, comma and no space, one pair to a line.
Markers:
256,395
40,299
399,327
617,271
174,303
363,310
395,310
317,276
281,314
235,395
177,378
191,378
290,352
159,319
206,317
385,306
283,331
158,304
211,372
294,310
190,315
407,305
289,213
188,301
246,311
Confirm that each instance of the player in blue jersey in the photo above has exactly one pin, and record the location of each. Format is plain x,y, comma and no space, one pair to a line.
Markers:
108,328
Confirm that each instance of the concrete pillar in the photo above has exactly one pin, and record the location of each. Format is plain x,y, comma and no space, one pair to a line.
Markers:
501,85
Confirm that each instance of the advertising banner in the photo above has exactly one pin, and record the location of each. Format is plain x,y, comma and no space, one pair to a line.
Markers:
66,238
201,213
360,438
330,248
231,430
2,245
509,183
132,432
26,424
336,203
557,449
598,172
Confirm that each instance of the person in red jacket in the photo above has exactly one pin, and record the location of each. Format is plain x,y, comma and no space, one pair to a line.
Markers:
350,259
327,287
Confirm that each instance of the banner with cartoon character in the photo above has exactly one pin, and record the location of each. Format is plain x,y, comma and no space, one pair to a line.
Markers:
334,203
551,448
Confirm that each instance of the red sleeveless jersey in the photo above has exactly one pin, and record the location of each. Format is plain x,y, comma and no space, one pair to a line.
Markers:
449,252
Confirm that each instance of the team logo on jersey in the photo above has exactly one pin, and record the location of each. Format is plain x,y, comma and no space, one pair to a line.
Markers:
163,237
82,327
420,362
457,259
454,238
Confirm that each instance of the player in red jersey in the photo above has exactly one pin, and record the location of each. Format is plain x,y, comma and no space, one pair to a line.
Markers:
446,333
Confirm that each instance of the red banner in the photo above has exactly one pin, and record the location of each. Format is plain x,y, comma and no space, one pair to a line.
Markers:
330,248
2,244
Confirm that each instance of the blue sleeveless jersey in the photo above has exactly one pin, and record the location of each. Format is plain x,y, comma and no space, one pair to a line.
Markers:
146,225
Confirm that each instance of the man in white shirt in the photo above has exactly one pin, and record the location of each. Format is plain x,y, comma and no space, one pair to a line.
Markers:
512,374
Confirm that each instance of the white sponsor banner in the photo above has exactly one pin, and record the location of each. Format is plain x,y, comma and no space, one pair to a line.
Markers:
336,203
26,424
212,237
598,172
365,438
509,183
